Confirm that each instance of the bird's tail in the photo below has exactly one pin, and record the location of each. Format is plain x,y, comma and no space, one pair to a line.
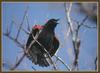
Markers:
43,60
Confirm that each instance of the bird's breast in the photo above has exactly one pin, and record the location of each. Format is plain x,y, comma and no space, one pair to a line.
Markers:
46,38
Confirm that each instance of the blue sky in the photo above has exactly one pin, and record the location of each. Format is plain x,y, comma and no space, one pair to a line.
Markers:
39,13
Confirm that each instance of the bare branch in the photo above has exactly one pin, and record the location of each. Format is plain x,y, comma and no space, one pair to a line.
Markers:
83,21
16,41
11,25
21,27
68,11
18,62
95,62
58,58
22,23
28,28
33,68
91,27
8,31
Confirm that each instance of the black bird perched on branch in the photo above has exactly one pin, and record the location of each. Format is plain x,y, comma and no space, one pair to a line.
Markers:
46,37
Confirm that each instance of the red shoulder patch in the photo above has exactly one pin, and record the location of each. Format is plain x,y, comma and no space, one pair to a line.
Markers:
38,27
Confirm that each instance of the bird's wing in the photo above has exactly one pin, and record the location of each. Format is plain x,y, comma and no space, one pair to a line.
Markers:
35,54
55,46
30,39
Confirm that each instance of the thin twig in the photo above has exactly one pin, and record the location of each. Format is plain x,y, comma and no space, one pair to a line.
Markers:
33,68
18,62
21,27
28,23
95,62
58,58
11,25
89,26
12,38
83,21
22,23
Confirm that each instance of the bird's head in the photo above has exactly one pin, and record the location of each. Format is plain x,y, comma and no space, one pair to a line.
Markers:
52,23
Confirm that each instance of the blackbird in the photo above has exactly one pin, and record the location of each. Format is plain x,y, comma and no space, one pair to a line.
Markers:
46,37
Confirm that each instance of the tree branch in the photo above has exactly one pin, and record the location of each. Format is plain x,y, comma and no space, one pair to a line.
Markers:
58,58
22,23
68,11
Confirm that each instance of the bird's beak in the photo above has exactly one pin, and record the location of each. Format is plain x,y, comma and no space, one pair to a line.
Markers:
57,20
